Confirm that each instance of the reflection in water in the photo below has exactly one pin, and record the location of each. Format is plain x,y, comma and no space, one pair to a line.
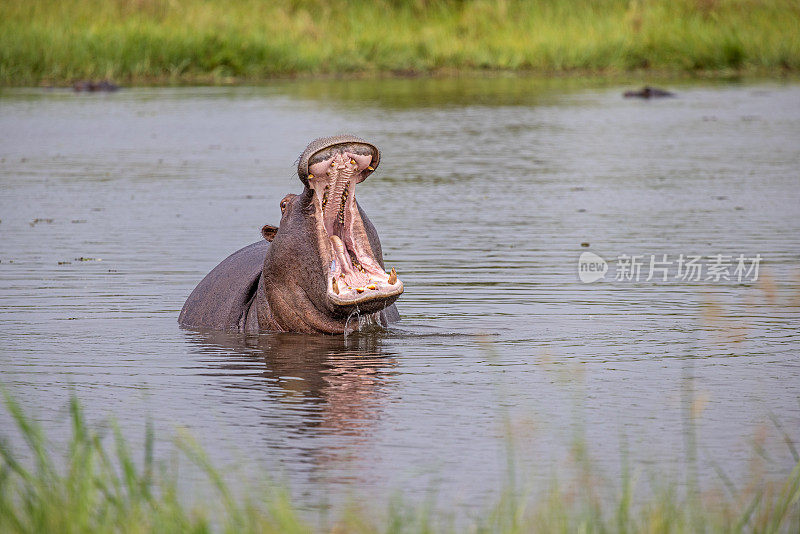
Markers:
438,93
335,384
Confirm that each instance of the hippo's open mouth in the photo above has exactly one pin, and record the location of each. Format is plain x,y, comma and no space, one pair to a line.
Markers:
355,277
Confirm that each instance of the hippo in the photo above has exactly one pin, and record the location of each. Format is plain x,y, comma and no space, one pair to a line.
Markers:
91,86
648,92
315,271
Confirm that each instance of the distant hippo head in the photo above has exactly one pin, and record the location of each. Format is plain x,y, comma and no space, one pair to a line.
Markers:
325,260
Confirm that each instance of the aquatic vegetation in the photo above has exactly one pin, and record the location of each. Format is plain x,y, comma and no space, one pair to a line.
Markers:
100,485
211,41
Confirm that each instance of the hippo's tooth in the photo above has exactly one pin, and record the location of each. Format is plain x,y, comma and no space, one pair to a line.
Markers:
360,289
335,286
370,167
372,286
342,205
393,277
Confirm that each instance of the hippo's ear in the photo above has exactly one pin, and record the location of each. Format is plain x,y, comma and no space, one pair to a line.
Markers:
269,231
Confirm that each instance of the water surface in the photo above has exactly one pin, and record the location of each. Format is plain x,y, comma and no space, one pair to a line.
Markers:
486,192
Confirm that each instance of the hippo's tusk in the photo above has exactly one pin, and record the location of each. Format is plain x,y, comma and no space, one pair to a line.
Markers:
335,286
393,277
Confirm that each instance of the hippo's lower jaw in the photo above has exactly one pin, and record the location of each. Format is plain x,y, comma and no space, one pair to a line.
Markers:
366,299
356,280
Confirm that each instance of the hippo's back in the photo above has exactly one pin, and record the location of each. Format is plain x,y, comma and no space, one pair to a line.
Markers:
221,300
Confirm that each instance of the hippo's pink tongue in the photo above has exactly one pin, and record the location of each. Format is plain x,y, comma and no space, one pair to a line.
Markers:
346,266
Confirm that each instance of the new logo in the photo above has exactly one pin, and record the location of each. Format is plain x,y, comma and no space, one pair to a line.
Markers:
591,267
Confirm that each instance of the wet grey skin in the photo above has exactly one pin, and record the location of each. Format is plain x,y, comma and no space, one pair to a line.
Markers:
315,271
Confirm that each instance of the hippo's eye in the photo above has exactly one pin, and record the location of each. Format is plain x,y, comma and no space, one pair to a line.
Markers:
283,205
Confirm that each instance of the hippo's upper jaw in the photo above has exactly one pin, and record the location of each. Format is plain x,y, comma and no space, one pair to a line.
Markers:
356,278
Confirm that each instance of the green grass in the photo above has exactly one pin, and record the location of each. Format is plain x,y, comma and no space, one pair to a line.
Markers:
215,41
99,485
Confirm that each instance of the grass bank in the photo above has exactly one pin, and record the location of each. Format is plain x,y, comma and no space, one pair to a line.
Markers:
215,41
98,485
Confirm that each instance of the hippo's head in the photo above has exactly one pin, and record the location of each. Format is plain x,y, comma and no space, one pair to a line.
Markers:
325,261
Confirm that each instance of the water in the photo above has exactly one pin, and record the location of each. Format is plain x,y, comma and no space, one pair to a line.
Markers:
486,191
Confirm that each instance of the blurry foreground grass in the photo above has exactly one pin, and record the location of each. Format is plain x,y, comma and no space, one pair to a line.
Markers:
215,41
99,487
